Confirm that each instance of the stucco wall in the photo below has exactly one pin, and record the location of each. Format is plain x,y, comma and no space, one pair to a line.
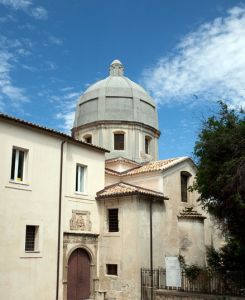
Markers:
35,202
130,247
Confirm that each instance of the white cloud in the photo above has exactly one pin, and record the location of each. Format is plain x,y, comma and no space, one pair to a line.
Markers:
9,92
208,64
72,95
66,106
67,120
55,40
38,12
16,4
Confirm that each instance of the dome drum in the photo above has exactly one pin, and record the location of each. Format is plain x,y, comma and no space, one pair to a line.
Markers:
135,138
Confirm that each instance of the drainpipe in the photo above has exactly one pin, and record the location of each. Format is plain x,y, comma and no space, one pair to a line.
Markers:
151,249
59,219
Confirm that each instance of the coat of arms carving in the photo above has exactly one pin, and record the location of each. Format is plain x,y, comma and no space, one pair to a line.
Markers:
80,220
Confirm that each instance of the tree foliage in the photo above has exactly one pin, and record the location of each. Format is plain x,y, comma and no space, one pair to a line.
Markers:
220,180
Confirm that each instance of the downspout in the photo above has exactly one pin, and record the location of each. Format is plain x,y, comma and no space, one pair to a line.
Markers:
59,219
151,250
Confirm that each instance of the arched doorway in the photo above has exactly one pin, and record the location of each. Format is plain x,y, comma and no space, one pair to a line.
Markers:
78,277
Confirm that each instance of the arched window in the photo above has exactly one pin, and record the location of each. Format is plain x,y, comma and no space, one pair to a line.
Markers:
184,185
88,138
119,140
147,144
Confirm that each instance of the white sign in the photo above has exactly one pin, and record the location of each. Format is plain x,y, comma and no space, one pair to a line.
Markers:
173,272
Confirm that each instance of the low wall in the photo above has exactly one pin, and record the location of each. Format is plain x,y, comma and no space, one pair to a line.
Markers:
176,295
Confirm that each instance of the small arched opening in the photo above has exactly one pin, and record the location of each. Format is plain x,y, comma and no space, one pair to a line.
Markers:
88,138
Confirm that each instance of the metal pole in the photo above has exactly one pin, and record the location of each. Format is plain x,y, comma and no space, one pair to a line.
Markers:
59,220
151,249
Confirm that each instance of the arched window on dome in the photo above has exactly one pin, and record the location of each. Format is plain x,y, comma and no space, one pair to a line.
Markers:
119,143
88,138
147,144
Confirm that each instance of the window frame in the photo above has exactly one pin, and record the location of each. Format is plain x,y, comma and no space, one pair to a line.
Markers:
15,165
36,248
184,175
110,226
78,182
147,144
115,143
108,266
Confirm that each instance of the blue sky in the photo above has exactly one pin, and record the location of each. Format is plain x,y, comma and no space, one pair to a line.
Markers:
187,54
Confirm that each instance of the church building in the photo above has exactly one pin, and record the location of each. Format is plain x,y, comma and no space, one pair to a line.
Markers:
82,214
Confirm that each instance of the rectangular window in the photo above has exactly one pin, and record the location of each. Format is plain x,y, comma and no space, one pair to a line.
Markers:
80,178
184,181
113,220
18,164
111,269
118,141
31,240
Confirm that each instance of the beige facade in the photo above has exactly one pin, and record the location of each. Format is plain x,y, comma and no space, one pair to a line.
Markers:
179,228
34,201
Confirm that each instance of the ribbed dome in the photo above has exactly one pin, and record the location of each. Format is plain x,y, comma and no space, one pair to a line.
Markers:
116,98
119,86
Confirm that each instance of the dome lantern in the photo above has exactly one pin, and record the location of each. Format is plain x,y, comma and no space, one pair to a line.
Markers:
116,68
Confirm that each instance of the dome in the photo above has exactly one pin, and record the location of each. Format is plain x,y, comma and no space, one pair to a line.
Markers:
116,98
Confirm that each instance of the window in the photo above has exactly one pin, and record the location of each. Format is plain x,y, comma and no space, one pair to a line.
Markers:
184,186
18,164
113,220
118,141
147,144
31,240
111,269
80,178
88,139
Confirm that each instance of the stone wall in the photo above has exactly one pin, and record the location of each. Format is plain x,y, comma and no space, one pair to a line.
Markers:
176,295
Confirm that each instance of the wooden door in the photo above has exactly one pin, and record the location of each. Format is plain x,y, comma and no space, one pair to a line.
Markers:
78,278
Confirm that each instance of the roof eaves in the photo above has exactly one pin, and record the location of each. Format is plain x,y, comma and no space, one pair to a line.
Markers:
142,191
49,131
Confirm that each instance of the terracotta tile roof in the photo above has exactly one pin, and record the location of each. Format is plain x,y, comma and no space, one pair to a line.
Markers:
158,165
50,131
125,189
190,212
126,160
152,166
112,172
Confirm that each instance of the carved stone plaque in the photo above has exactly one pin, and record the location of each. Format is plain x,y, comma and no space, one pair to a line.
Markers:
80,220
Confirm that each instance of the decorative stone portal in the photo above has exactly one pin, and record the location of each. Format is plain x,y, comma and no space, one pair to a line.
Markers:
81,247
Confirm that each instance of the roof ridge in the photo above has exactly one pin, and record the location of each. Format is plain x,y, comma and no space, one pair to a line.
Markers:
128,184
137,186
122,158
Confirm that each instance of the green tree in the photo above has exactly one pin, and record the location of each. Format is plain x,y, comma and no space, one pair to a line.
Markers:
220,179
